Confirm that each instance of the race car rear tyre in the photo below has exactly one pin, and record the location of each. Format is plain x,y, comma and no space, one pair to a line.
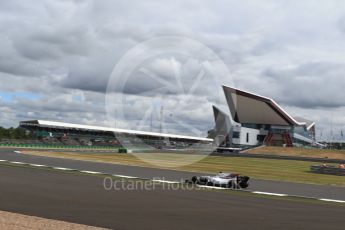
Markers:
244,185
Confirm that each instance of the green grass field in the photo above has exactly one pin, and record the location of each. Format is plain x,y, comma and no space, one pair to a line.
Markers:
282,170
299,152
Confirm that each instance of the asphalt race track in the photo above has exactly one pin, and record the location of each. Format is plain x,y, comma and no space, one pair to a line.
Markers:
82,199
318,191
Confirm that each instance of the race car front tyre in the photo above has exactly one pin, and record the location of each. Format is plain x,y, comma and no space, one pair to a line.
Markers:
229,184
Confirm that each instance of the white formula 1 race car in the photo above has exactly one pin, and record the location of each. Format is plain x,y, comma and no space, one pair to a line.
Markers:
226,180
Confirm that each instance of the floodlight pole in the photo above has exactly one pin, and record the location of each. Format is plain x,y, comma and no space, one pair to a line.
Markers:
331,132
151,123
115,118
161,120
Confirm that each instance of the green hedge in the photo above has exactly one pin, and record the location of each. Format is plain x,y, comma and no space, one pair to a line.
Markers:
122,150
55,146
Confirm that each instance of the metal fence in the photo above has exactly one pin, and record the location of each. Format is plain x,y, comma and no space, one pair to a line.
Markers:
332,170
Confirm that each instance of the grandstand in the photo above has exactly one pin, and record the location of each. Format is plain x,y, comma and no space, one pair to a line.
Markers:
67,134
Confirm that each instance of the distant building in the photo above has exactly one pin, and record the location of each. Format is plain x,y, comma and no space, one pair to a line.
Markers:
253,120
256,120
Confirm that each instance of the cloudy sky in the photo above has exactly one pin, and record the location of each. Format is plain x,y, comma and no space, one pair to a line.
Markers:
58,57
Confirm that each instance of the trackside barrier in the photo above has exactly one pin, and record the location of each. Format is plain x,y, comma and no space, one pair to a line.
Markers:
329,169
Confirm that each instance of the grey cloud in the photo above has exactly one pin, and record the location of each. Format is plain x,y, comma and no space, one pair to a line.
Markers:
311,85
341,24
61,49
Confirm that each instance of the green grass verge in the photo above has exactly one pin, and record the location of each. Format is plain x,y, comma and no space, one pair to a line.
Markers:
269,169
281,170
299,152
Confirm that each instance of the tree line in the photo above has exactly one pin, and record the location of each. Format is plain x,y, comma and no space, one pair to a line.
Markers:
13,133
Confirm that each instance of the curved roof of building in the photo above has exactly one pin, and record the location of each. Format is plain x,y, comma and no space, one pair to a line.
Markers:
309,124
251,108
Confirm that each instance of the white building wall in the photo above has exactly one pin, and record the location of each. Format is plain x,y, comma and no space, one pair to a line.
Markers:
252,136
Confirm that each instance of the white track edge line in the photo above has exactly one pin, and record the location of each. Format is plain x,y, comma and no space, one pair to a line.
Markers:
64,169
89,172
37,165
269,193
124,176
331,200
17,162
166,181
